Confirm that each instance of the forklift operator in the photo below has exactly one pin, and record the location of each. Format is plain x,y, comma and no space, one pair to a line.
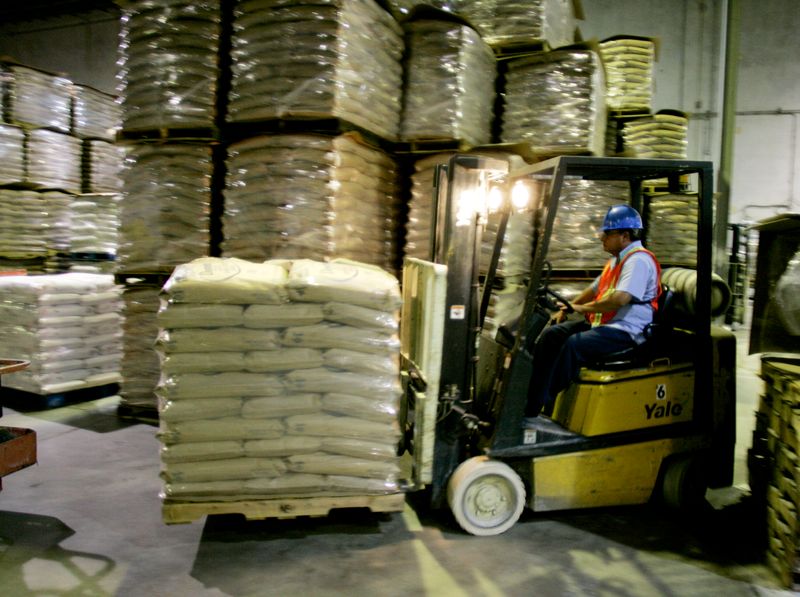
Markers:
617,306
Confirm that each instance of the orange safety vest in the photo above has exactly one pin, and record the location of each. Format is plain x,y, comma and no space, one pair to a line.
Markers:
608,282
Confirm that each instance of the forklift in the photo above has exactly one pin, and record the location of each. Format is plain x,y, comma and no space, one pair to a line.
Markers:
654,423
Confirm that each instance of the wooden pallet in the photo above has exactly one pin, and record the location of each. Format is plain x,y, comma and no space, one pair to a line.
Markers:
433,145
176,512
142,414
166,134
509,50
303,123
143,278
27,401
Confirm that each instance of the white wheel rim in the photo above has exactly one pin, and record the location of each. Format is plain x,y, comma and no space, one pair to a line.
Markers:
489,501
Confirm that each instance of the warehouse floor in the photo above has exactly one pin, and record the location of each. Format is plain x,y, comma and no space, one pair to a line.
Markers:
86,521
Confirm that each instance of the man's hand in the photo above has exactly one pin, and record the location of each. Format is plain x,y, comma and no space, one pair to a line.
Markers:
559,316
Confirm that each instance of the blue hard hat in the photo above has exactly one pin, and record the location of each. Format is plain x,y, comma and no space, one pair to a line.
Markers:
622,217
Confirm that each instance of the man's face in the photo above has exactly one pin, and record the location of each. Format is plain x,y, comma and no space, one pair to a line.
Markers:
612,241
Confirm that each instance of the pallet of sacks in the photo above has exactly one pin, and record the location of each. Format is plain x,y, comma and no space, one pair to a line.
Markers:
279,388
774,464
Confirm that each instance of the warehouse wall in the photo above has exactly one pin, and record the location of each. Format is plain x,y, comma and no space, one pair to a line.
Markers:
688,77
84,49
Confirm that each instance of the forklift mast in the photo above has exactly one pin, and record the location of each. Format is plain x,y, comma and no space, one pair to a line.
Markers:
460,189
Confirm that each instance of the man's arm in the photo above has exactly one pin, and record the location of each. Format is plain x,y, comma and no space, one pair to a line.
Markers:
613,302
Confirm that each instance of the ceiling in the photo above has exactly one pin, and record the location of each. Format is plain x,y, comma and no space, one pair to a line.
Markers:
25,11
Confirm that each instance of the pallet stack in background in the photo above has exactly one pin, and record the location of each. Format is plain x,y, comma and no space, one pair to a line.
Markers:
57,143
169,57
774,464
58,198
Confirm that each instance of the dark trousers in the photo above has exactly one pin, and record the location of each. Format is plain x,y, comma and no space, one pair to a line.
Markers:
559,354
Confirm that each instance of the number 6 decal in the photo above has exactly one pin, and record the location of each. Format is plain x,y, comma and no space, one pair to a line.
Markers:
661,391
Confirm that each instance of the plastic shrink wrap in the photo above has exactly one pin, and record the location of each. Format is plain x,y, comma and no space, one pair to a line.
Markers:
575,243
95,224
449,86
164,218
67,325
512,22
420,207
102,166
36,99
24,224
95,115
787,296
514,265
33,224
59,209
554,101
254,409
140,366
310,196
672,228
12,154
54,160
628,63
168,63
506,23
338,58
515,254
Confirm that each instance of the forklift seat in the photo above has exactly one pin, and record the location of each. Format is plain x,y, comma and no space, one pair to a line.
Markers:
655,345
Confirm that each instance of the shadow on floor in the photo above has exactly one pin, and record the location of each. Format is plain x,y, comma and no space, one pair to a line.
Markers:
730,540
33,562
99,416
240,557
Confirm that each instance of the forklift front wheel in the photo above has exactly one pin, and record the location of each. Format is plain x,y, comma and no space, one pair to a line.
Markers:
486,496
684,486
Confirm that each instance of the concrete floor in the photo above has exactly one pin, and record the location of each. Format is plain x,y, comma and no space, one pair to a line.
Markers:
86,521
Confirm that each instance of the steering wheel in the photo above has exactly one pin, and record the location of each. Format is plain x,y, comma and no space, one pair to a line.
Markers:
560,299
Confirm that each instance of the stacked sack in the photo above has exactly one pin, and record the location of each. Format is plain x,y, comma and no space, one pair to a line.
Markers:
574,243
672,228
420,207
628,63
95,115
12,154
509,22
95,224
32,224
24,224
514,266
278,379
101,166
168,64
338,58
555,102
310,196
450,79
59,211
67,325
140,364
166,207
36,98
661,136
54,160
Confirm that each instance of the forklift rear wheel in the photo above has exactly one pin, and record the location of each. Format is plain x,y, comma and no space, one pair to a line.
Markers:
683,486
486,496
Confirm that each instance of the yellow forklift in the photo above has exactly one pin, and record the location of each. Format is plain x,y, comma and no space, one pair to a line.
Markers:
655,422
